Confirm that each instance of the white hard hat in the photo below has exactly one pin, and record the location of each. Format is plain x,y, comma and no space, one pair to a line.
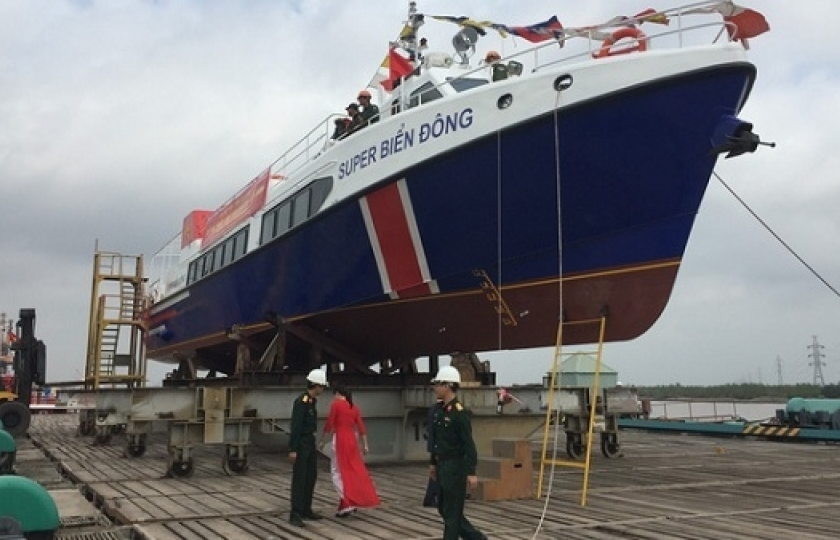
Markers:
448,374
317,376
619,383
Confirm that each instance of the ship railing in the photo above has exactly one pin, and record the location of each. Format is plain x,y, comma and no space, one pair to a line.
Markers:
163,261
595,45
304,150
318,139
532,56
297,156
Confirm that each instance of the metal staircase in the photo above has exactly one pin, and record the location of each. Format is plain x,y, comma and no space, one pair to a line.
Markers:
116,353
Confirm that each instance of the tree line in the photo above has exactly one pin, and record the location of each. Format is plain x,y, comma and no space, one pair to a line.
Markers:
739,391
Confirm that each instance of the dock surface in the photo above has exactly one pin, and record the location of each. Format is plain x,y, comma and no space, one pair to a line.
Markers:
665,486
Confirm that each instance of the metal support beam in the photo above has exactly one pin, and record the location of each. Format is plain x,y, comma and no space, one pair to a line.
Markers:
227,415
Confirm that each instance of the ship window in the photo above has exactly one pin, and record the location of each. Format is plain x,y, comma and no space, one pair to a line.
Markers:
269,226
463,84
320,189
425,94
222,255
192,275
296,210
284,218
229,253
208,264
301,203
241,243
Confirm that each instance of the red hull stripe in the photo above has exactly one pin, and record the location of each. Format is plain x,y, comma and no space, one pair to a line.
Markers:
394,236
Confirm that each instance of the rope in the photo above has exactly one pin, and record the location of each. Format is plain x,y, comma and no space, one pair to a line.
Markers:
559,342
499,280
776,236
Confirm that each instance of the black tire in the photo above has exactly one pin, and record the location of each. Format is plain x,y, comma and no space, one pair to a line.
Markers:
181,469
135,450
15,417
574,448
135,446
233,464
102,438
87,428
7,462
610,447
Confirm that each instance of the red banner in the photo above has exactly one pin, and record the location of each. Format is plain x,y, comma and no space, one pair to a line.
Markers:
195,226
243,205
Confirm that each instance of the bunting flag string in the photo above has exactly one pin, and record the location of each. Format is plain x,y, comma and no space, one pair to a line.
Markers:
742,24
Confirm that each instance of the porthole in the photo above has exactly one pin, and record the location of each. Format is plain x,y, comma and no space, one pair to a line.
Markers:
504,102
563,82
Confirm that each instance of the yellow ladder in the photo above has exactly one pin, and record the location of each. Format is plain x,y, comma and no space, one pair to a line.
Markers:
116,353
590,400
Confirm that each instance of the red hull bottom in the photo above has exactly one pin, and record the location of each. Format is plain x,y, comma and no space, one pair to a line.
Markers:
528,316
632,300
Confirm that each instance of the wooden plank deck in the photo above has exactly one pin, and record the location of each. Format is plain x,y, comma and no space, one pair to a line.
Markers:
666,486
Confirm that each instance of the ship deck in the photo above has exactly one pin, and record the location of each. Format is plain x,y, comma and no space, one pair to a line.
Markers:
665,485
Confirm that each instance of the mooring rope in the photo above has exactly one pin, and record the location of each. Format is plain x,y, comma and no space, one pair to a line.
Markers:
558,345
776,236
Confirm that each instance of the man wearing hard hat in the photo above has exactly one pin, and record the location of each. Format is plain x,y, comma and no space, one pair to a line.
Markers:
454,457
498,70
302,451
370,112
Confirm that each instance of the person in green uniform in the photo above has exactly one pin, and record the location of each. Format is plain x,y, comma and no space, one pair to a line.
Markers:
499,71
302,451
370,112
454,458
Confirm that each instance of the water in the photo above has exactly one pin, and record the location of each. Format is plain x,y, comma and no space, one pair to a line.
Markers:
714,410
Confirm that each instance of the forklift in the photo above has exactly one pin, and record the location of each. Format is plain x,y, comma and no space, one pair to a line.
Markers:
27,510
30,367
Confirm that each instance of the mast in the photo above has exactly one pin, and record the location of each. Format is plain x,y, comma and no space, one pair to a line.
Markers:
408,37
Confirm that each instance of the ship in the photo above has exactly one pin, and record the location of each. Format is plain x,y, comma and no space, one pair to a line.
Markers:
492,204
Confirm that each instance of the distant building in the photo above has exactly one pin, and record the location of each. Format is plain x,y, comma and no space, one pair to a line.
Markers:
578,370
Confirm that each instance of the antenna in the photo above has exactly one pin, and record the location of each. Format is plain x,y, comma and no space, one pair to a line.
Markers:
817,362
779,370
408,36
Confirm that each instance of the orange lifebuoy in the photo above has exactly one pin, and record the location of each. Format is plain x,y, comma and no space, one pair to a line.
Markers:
621,33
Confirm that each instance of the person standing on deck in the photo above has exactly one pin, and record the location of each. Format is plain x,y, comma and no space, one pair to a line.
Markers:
356,121
370,112
430,499
454,459
341,126
302,452
498,71
350,475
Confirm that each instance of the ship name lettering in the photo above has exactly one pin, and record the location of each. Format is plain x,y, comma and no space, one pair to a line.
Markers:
403,140
357,162
444,125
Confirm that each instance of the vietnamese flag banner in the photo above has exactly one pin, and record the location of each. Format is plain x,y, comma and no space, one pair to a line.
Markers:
243,205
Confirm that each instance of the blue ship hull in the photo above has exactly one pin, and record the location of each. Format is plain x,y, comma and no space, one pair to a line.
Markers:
631,167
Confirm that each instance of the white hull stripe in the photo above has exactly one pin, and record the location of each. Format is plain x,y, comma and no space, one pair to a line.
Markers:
395,239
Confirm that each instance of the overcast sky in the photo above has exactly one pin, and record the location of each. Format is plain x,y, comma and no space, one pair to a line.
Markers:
119,117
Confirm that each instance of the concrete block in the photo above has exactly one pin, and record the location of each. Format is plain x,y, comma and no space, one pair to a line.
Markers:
513,448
